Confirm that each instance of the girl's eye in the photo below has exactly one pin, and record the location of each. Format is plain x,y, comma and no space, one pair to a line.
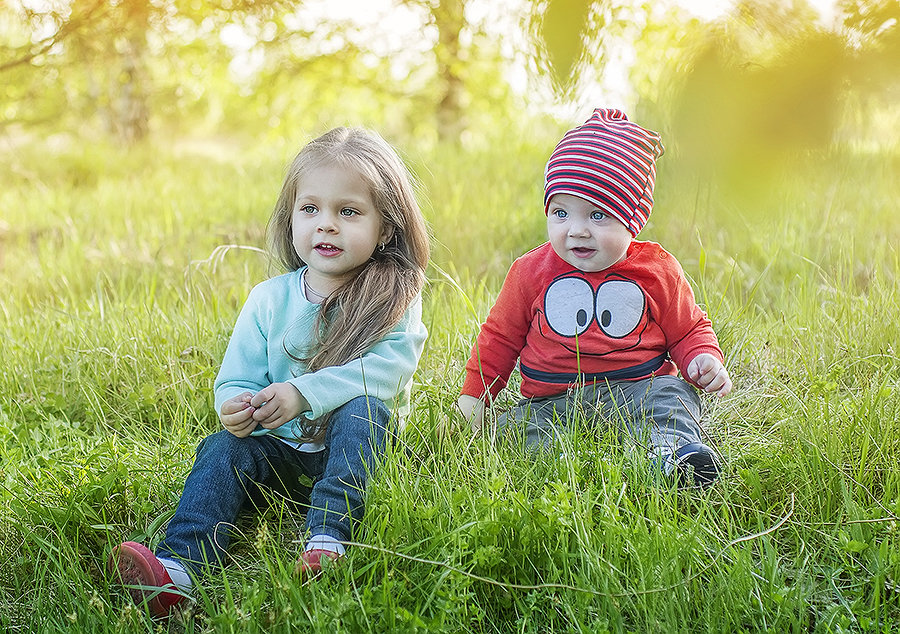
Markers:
346,211
308,209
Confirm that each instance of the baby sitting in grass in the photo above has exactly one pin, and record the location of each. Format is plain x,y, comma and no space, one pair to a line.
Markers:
599,321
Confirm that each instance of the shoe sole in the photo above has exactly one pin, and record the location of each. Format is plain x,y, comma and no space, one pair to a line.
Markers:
136,565
699,466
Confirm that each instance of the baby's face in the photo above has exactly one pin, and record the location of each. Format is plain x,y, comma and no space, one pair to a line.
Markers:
583,235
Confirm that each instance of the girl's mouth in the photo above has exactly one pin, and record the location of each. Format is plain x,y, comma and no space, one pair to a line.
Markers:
326,249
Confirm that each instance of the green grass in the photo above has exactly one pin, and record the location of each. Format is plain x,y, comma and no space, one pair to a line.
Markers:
121,275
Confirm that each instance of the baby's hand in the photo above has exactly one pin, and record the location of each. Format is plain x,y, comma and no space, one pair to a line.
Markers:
472,410
278,404
237,415
708,373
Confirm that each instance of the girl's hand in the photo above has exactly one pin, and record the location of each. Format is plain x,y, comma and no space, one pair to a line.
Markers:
278,404
708,373
237,415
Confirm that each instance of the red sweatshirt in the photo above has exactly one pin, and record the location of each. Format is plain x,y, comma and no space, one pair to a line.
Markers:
633,320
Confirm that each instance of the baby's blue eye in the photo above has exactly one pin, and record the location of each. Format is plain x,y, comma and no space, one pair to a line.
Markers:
560,213
598,215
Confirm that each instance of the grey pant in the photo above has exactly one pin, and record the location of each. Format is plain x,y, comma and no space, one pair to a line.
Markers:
661,414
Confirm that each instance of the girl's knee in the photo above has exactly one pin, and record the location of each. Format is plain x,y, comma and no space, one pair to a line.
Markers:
225,446
362,413
359,426
219,442
367,407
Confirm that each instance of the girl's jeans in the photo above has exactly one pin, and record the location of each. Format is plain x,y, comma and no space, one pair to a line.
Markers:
229,471
661,414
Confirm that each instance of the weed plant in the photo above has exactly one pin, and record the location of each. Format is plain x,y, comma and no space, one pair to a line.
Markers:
121,274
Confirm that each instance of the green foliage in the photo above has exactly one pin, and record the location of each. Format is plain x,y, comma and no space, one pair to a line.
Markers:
563,42
122,273
747,96
123,70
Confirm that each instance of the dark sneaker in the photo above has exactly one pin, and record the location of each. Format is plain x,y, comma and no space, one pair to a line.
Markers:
144,577
696,465
309,564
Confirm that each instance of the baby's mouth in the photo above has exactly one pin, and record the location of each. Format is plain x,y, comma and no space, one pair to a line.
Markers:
583,252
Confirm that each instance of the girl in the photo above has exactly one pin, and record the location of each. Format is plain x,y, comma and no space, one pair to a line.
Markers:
318,358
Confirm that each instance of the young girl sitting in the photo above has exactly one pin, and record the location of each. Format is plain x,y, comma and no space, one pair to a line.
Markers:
318,359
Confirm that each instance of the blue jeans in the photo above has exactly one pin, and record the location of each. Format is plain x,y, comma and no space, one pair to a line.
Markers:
229,474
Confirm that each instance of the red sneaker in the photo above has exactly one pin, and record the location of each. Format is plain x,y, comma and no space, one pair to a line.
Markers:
309,564
136,565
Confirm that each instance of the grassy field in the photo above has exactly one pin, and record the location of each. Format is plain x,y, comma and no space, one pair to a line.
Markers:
121,275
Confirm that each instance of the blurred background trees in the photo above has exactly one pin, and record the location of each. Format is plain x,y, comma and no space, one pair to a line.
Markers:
222,65
762,76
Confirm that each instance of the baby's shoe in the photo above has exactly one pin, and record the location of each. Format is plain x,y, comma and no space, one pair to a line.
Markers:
145,578
695,464
309,564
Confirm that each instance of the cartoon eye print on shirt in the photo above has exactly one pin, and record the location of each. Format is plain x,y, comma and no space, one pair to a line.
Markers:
619,307
571,305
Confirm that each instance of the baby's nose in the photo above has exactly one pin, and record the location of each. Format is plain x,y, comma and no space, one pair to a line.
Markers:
579,229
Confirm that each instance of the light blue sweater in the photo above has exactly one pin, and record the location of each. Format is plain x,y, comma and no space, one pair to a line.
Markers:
276,316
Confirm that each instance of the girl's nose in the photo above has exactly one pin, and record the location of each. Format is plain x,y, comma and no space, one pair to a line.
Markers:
326,224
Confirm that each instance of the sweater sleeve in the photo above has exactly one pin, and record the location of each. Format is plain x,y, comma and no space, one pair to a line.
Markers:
245,366
688,330
501,339
382,372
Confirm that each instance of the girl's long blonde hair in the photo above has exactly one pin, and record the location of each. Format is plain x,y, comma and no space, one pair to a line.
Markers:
362,311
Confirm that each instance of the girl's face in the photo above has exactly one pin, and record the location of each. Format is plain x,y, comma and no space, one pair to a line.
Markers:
335,226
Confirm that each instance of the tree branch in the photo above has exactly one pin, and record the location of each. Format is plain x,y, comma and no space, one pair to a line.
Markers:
68,27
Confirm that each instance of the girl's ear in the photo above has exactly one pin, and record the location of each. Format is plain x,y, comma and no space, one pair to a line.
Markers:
387,232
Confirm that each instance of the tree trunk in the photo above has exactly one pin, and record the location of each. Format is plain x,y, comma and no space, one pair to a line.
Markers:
449,16
133,113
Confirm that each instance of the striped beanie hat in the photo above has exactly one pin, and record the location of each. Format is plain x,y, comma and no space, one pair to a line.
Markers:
610,162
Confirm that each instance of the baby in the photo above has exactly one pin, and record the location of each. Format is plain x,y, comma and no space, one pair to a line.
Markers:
598,320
